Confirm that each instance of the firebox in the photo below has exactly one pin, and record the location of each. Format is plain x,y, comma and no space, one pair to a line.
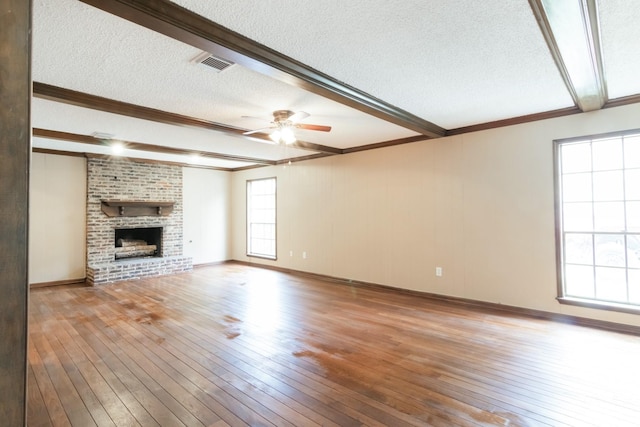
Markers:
138,242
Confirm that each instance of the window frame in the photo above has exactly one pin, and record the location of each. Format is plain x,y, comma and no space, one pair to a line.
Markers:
248,223
562,297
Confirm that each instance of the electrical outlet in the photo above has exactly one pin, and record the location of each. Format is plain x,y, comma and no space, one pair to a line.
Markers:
439,271
290,253
304,255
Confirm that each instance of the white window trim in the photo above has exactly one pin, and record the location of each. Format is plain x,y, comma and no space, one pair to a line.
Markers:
248,221
563,298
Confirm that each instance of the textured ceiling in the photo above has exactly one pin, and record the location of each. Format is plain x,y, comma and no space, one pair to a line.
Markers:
455,64
621,46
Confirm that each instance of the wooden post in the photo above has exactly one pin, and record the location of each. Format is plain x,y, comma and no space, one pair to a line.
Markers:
15,152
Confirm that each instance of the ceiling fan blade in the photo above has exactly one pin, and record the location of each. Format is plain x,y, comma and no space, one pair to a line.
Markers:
256,131
296,117
321,128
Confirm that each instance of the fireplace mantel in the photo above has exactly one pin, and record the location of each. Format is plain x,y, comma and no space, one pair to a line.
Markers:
136,208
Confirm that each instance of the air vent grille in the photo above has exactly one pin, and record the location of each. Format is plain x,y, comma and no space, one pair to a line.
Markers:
213,63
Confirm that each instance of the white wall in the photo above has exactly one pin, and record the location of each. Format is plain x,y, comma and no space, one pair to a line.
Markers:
206,219
57,218
479,205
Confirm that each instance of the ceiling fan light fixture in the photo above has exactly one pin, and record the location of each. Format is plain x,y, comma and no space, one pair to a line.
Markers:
287,136
275,136
284,134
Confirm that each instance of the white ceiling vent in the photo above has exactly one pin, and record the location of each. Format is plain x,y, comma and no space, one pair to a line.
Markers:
212,63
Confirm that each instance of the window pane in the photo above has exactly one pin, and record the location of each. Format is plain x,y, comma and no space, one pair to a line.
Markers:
610,249
633,216
579,281
608,186
632,184
261,217
634,286
608,216
576,157
611,284
633,251
607,154
270,231
576,187
600,219
578,249
632,152
578,216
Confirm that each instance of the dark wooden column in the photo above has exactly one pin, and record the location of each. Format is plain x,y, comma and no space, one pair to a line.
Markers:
15,151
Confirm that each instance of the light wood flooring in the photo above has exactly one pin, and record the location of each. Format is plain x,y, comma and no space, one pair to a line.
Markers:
237,345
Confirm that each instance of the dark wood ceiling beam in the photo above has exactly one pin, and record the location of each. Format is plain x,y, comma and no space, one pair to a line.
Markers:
572,34
90,140
625,100
384,144
158,162
181,24
81,99
514,121
316,147
302,159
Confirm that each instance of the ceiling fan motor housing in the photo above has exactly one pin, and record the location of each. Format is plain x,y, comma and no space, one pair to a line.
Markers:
282,115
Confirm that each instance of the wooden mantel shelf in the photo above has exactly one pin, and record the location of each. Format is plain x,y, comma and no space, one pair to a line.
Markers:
136,208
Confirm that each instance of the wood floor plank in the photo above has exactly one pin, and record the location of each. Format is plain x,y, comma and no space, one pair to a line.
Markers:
37,410
155,405
242,376
389,421
165,390
72,402
447,416
55,410
241,412
214,365
232,384
237,345
99,387
273,407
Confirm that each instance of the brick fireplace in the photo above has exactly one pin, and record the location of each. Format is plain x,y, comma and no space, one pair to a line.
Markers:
121,195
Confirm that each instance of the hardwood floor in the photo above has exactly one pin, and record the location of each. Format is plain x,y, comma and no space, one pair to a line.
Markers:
236,345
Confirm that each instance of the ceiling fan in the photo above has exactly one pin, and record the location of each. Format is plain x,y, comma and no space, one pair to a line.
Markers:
283,125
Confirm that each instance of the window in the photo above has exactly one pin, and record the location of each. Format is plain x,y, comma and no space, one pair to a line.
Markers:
261,218
598,218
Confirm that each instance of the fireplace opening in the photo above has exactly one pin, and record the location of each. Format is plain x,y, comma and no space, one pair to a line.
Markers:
138,243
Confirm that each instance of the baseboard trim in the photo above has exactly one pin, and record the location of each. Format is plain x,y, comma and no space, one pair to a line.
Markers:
57,283
481,305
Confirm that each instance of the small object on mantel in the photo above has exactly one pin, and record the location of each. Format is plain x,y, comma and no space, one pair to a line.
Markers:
136,208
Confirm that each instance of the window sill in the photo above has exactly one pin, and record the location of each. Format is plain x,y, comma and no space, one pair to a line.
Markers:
263,257
599,305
